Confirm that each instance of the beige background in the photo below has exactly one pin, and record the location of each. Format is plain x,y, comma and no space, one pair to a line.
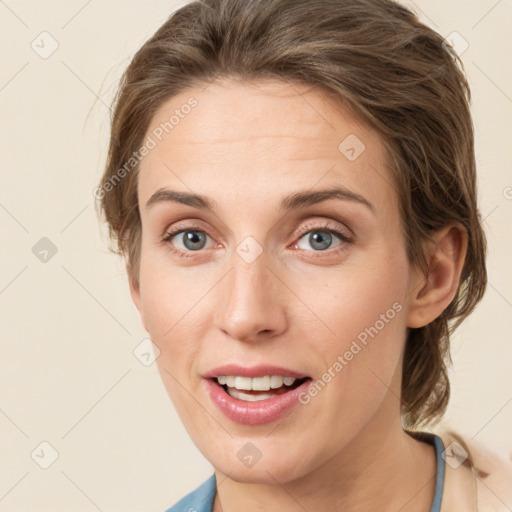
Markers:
68,375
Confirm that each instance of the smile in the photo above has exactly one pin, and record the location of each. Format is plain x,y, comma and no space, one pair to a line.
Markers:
257,388
257,395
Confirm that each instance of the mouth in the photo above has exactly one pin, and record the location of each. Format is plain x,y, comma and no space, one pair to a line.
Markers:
255,396
255,389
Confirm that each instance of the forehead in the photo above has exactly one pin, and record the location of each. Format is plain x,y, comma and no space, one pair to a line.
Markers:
267,137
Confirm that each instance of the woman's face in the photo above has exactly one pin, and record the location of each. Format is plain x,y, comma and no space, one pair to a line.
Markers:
259,286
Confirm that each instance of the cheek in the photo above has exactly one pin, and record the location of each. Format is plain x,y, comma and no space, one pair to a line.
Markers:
363,326
173,312
347,300
168,292
174,315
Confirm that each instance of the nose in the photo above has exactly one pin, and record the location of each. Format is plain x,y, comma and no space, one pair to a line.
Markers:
251,301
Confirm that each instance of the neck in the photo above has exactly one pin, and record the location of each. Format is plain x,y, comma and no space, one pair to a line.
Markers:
383,468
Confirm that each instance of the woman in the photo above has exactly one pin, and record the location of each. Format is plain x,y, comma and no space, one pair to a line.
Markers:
293,185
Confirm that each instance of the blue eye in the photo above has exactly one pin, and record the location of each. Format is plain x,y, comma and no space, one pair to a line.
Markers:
193,239
320,238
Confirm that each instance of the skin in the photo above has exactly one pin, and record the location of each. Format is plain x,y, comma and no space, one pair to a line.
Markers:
246,146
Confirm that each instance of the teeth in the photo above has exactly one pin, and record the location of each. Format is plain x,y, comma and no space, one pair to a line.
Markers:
276,382
243,383
255,384
261,383
247,397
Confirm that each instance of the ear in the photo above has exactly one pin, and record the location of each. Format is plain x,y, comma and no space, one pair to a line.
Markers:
135,293
432,293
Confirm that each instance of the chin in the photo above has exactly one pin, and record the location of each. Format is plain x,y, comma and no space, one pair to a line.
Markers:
241,461
261,473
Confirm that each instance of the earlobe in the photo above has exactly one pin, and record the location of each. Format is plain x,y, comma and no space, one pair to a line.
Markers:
432,293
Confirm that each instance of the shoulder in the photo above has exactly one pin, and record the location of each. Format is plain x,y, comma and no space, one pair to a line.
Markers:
476,475
199,500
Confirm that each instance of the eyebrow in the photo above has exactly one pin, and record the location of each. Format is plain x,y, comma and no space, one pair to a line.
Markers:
294,201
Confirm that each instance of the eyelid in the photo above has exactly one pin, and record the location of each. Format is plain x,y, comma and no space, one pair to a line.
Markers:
312,226
180,228
186,225
339,228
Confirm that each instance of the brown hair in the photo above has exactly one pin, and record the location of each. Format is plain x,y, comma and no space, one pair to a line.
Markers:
377,57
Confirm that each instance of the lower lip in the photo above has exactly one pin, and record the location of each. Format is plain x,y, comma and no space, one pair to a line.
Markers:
255,413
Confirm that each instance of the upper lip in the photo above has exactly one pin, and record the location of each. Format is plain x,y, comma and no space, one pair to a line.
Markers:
260,370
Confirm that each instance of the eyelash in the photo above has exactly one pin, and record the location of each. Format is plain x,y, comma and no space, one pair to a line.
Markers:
301,232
